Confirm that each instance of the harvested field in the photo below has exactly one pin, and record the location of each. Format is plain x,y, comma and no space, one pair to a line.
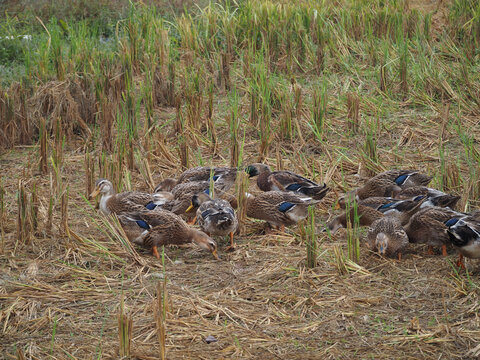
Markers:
363,90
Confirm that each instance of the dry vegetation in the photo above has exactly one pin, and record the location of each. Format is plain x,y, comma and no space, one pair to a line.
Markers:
335,92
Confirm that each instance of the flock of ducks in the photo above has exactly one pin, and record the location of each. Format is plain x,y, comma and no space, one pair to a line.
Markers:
400,209
396,205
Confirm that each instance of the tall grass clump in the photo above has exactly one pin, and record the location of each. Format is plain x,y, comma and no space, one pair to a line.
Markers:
260,90
319,110
125,329
353,112
234,125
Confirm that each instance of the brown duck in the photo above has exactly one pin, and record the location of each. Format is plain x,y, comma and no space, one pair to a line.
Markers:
365,214
127,201
427,226
283,180
160,227
434,197
224,177
404,178
278,208
387,237
215,217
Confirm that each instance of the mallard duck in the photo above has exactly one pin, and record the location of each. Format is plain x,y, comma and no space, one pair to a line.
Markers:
377,187
404,178
427,226
160,227
224,177
366,216
386,184
402,208
182,197
387,236
371,208
127,201
389,205
215,216
278,208
464,234
433,197
283,180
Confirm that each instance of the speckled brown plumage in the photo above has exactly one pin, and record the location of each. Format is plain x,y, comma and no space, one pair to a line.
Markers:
127,201
283,180
278,208
427,226
433,197
387,237
413,177
366,215
165,228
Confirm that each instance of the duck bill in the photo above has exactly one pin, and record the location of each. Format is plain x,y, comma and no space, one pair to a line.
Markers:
94,194
215,255
189,208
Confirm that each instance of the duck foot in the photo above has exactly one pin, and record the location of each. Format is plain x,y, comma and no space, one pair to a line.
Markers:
399,256
192,222
444,250
430,250
460,262
155,252
232,244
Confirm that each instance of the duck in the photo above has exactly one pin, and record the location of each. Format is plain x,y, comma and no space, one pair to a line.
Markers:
386,184
366,216
278,208
388,205
384,188
182,197
434,197
128,201
284,180
464,234
160,227
428,226
215,217
402,210
405,178
387,236
223,176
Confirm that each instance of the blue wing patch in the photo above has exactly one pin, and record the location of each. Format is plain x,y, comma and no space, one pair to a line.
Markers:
386,206
451,222
215,177
207,191
285,206
206,214
401,179
143,224
418,198
293,187
151,205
